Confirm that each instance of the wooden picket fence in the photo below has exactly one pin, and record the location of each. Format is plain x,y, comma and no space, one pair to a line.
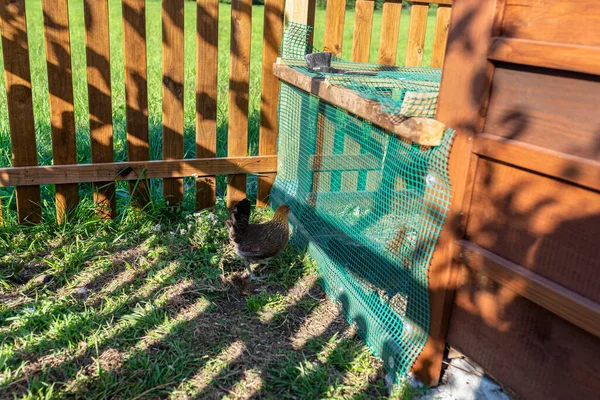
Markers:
65,174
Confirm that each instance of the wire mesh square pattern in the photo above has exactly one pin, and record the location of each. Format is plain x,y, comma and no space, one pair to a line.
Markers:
369,207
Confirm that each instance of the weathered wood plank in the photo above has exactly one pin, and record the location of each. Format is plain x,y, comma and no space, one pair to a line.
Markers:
99,94
334,26
565,303
425,131
440,36
390,28
207,42
568,57
416,35
239,85
578,170
60,86
267,144
363,24
136,89
172,104
133,170
13,26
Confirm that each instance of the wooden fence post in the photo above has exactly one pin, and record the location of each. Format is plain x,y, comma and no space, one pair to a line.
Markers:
267,144
60,86
136,90
13,25
239,85
172,104
207,70
390,27
99,92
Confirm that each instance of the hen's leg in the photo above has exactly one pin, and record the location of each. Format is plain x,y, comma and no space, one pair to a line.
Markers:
249,268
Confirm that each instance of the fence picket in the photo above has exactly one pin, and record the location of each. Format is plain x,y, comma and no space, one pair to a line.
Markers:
239,84
363,23
60,86
136,90
416,35
13,26
440,37
207,49
172,104
99,93
334,26
390,28
267,144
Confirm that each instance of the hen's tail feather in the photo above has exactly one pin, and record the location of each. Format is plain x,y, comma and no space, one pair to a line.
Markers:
238,222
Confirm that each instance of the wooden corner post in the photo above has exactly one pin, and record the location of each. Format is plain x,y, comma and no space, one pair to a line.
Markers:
464,91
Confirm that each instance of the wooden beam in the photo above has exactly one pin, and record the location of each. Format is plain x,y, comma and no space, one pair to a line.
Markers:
464,92
568,57
133,170
563,302
578,170
424,131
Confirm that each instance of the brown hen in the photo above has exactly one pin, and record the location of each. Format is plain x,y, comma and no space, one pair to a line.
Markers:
257,242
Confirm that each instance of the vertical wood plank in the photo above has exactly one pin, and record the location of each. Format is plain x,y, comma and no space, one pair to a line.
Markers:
334,26
172,99
440,36
239,84
207,46
466,82
13,26
60,86
267,144
302,12
416,35
390,28
363,23
99,92
136,90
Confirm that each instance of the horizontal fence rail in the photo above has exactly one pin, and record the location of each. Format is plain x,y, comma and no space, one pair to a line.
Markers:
66,172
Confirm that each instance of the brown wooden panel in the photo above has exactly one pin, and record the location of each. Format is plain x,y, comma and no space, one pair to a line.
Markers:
99,93
363,22
536,353
60,87
267,144
239,85
172,100
440,36
577,170
573,21
13,26
132,170
565,303
551,109
568,57
545,225
207,43
334,26
416,35
136,88
390,27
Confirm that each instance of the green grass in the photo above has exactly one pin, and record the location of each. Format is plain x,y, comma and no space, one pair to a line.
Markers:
154,38
153,305
149,304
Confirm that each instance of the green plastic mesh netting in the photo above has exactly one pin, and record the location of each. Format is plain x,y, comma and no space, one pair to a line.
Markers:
370,207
